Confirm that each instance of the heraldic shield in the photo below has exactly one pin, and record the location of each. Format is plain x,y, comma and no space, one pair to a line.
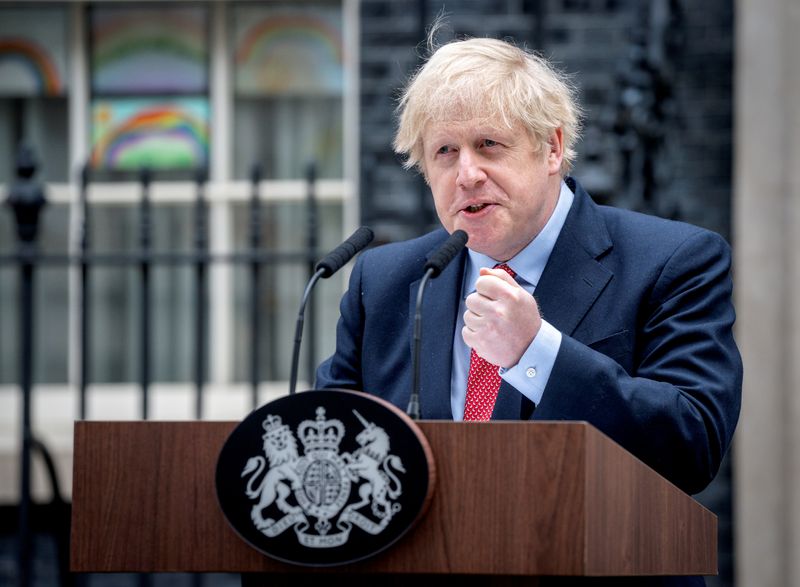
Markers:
323,478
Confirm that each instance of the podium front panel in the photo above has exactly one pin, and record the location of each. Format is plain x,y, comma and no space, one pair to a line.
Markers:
512,498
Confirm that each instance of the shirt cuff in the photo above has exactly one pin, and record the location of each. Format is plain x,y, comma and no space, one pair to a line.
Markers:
531,374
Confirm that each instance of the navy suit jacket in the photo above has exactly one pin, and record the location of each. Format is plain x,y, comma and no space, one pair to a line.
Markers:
644,307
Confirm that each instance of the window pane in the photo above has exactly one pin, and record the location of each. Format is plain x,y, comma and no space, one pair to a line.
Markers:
288,50
51,321
9,140
149,83
159,50
288,82
9,331
8,300
33,49
173,296
281,289
113,228
116,297
113,327
41,122
285,134
50,301
128,134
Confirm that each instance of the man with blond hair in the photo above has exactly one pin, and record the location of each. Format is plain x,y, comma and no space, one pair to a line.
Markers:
630,323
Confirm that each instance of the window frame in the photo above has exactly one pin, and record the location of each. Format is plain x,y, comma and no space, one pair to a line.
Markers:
222,192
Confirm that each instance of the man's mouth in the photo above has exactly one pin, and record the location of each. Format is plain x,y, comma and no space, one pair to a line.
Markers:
475,208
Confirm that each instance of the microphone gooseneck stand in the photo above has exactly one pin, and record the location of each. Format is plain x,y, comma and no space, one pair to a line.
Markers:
335,260
435,265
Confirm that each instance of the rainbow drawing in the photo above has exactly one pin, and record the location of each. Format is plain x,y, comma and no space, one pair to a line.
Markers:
149,51
161,134
43,77
290,52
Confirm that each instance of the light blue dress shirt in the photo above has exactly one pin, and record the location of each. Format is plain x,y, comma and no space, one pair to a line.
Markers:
531,374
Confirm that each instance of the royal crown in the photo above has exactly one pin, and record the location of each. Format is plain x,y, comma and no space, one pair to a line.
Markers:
273,425
321,434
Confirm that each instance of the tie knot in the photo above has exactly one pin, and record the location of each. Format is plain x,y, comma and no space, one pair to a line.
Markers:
506,268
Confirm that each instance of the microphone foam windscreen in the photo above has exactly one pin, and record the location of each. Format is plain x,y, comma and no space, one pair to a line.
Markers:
447,252
337,258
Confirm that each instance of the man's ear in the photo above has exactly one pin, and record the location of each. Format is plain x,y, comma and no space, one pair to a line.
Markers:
555,151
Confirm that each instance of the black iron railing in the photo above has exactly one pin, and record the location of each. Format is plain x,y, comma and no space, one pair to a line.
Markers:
26,198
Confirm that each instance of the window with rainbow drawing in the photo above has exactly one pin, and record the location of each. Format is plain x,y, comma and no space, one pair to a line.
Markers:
149,85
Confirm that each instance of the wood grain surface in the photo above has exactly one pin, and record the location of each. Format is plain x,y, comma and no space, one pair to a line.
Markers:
512,498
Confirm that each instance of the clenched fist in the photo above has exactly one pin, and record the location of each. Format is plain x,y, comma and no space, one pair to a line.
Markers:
501,318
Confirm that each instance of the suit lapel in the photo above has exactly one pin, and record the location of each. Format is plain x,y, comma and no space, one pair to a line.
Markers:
573,278
439,309
571,282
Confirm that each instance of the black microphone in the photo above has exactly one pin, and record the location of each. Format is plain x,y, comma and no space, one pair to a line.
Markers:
337,258
446,253
334,261
435,265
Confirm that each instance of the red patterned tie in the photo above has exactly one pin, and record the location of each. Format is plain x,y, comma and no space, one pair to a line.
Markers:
483,382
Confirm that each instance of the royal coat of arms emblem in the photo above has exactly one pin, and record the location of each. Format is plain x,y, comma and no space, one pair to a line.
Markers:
339,476
317,485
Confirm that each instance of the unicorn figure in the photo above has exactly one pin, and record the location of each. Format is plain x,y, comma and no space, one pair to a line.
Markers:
373,463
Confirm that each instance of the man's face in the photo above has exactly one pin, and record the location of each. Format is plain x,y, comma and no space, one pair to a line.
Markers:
492,182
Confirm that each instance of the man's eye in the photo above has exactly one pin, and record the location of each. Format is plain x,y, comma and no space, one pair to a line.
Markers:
444,150
490,143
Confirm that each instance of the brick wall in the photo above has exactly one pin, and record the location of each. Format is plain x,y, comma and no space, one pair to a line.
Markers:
590,39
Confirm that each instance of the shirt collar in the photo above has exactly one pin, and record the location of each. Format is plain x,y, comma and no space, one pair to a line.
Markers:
530,262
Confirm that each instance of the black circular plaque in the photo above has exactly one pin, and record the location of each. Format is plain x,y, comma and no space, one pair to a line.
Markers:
324,478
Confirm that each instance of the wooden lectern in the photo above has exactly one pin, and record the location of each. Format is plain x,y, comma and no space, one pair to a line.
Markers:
512,498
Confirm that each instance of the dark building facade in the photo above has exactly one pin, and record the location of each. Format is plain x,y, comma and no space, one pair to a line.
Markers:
653,77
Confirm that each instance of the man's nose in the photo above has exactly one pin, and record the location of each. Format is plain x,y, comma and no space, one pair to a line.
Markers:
470,172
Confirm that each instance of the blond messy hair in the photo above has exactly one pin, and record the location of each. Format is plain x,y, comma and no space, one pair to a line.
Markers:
488,79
